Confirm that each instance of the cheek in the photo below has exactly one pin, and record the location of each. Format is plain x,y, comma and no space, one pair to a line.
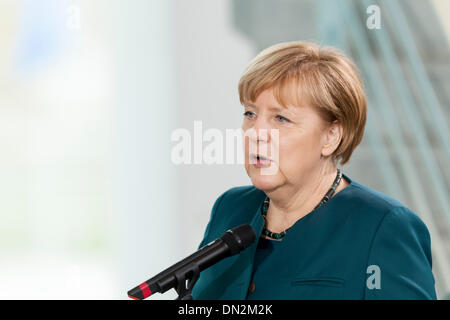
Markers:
245,146
299,151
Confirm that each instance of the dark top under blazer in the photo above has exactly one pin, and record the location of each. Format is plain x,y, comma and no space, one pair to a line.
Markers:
326,254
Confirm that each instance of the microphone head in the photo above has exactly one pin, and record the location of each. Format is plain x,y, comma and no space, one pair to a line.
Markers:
239,238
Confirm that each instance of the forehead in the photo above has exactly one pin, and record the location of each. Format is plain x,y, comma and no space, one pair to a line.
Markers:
267,100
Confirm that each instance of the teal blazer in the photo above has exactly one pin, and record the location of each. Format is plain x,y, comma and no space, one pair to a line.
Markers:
361,244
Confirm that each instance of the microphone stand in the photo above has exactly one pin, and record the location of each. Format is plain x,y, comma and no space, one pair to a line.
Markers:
190,272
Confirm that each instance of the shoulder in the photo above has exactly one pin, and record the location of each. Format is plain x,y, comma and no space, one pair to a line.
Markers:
403,228
399,245
377,205
383,215
365,197
391,215
401,250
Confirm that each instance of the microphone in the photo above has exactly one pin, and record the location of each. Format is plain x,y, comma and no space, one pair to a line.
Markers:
232,242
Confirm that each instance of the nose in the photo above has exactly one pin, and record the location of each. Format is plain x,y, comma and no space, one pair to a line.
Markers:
259,132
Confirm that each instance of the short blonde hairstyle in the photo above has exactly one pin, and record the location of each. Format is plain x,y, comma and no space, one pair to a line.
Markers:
323,77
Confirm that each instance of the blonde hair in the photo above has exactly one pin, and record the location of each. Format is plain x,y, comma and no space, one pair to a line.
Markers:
323,77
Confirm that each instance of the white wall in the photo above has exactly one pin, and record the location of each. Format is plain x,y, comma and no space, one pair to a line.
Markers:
144,187
211,56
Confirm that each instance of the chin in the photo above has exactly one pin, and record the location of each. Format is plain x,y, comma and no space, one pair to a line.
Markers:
264,182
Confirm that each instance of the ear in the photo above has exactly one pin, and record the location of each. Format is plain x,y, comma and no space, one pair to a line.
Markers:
332,138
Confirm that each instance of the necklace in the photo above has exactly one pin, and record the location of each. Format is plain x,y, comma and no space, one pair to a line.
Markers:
265,207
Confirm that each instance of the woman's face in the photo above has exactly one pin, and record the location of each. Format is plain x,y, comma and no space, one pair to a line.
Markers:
291,138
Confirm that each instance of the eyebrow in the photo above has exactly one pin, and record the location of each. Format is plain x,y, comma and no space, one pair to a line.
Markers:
276,109
272,108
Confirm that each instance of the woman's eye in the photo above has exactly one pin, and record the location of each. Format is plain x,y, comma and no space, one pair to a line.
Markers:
248,114
282,119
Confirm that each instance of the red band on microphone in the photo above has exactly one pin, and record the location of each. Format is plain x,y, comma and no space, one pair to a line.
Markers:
145,290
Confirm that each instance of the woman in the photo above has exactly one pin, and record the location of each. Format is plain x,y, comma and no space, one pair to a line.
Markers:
320,234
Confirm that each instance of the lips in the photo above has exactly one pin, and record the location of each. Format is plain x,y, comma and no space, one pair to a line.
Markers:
259,160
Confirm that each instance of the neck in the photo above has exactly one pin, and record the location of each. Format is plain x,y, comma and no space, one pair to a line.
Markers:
290,203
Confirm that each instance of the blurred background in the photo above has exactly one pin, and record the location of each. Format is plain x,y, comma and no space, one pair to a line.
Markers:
91,91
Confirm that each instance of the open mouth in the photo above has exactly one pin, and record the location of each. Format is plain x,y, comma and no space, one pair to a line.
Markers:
259,160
